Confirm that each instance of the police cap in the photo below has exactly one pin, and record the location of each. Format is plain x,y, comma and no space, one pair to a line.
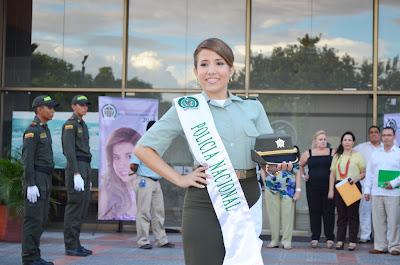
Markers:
80,99
44,100
273,149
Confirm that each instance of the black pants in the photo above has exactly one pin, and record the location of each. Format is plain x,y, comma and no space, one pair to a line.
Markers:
347,216
320,207
77,206
35,218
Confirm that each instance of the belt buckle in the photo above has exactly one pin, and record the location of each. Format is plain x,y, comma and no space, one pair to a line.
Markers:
241,174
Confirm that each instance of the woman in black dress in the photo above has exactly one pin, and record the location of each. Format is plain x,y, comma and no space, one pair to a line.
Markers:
319,160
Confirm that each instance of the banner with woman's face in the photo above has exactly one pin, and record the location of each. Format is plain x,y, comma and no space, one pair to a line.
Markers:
122,121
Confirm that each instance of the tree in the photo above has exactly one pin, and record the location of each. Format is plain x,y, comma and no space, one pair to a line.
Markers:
105,78
302,67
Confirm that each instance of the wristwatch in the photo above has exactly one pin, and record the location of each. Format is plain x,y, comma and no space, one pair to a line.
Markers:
298,189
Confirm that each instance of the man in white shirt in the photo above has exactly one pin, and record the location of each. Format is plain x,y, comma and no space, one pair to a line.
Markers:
366,150
385,203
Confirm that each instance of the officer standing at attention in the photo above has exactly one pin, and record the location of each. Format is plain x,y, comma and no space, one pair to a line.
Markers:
75,142
37,158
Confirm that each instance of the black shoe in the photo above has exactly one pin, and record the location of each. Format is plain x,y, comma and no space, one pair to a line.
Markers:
46,262
76,252
85,250
35,262
146,246
168,245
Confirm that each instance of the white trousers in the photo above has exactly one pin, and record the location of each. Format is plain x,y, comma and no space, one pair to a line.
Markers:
365,218
386,209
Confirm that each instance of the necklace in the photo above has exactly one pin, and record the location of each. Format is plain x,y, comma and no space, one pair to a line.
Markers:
342,176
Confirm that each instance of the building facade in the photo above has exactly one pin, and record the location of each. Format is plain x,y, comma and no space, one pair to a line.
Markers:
313,64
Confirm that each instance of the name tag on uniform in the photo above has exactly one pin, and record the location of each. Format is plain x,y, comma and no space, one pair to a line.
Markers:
43,135
80,130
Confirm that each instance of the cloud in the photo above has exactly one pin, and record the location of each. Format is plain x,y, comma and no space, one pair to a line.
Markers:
357,49
147,60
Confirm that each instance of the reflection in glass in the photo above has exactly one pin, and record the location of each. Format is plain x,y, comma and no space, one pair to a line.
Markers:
303,115
386,105
389,48
71,44
311,46
162,39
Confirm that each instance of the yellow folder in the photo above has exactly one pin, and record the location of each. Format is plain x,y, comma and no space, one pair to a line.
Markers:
349,192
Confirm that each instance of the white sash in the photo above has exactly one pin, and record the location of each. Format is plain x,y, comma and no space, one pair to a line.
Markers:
241,243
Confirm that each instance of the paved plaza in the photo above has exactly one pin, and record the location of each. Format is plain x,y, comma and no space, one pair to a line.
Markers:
120,248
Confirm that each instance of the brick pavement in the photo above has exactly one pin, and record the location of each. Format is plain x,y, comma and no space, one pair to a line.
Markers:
121,248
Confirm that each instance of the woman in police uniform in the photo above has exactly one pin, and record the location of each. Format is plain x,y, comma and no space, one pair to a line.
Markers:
237,121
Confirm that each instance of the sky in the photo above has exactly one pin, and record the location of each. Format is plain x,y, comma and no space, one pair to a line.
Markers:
164,34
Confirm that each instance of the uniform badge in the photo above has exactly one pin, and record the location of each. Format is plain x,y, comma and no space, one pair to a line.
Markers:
43,135
28,135
280,143
80,130
69,127
71,118
33,123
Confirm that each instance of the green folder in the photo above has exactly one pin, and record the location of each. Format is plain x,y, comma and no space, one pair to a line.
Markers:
387,175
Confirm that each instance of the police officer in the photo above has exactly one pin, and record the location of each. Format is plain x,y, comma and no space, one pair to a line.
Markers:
37,157
75,142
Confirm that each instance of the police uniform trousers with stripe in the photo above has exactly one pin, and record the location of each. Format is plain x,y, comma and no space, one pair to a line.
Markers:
77,206
35,218
201,231
149,202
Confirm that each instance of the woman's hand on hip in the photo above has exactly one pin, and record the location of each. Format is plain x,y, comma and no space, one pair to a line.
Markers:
197,178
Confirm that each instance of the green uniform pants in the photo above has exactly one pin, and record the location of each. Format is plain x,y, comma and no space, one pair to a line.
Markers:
35,218
77,206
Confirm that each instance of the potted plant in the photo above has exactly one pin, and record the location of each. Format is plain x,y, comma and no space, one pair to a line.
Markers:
11,199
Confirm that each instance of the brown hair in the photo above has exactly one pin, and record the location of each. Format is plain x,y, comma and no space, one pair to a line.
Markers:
219,47
114,193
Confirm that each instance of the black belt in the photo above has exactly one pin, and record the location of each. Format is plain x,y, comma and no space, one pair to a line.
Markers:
84,159
43,169
152,178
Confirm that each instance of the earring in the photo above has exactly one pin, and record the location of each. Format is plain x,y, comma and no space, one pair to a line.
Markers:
231,79
197,82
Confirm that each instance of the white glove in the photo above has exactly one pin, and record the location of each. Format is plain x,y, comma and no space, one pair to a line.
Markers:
79,185
32,194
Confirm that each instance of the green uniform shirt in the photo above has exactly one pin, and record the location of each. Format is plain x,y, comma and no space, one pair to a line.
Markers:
75,141
36,150
238,122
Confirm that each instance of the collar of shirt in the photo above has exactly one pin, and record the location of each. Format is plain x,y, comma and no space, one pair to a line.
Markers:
76,117
227,102
382,149
38,121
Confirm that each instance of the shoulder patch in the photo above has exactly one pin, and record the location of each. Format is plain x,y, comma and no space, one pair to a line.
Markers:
33,124
69,127
248,97
29,135
72,118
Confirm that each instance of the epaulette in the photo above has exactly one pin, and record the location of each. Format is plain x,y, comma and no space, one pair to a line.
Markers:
71,118
33,124
247,97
